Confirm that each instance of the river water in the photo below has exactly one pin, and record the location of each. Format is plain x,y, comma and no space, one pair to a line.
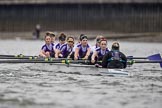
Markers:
36,86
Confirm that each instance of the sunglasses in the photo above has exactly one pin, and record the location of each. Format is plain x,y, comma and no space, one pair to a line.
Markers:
103,44
71,41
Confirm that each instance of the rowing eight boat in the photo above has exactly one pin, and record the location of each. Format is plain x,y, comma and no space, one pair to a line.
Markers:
78,66
86,69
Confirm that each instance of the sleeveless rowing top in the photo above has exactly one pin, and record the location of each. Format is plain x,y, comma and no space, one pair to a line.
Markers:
94,48
48,48
65,50
58,45
101,52
82,50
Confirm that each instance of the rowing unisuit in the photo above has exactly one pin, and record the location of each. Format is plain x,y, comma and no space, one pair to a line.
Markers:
47,49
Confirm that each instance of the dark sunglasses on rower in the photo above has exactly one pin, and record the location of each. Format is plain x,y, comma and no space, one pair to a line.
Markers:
71,41
103,44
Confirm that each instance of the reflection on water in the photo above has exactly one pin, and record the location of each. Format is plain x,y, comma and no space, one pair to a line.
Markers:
37,86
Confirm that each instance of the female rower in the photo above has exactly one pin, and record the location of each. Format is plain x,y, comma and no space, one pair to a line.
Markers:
65,49
100,51
52,35
97,44
83,49
71,55
115,58
47,50
62,39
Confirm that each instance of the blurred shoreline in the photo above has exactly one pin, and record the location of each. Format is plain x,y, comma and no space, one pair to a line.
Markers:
140,37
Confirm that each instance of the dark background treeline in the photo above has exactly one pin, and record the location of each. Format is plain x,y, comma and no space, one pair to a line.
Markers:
114,17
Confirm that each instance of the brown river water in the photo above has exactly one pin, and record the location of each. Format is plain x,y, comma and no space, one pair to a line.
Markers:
40,86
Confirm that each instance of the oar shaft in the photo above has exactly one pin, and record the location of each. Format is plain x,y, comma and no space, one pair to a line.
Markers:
7,55
154,61
31,57
20,56
44,61
34,58
137,58
28,61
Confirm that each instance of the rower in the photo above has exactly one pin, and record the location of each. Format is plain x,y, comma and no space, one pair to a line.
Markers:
52,35
83,49
71,55
47,49
100,51
115,58
62,39
97,44
65,49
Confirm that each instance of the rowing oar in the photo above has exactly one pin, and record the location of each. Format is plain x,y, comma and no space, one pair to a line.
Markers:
151,57
34,58
25,57
19,55
130,62
156,58
67,61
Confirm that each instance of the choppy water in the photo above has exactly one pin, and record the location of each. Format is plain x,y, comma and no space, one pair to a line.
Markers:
36,86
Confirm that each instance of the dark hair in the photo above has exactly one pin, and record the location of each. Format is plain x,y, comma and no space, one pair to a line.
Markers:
83,37
62,37
98,40
115,46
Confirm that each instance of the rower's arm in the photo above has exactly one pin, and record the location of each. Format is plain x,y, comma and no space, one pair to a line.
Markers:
76,53
88,52
57,52
124,58
42,53
94,55
105,61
